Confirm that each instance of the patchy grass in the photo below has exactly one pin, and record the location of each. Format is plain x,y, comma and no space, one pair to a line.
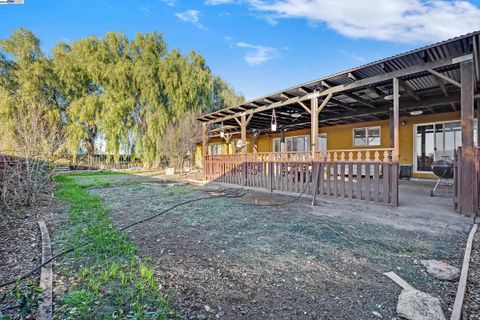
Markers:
106,278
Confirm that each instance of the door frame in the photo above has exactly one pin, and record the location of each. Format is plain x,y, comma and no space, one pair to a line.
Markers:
414,151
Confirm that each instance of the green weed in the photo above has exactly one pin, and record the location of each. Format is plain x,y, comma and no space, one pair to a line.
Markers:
110,281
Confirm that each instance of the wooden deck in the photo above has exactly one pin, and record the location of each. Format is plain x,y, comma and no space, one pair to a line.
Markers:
360,174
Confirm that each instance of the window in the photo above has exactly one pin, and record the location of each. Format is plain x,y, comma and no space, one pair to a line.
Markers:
215,149
300,143
293,144
363,137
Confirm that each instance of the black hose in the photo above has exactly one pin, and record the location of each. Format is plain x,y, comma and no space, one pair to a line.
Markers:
225,193
62,253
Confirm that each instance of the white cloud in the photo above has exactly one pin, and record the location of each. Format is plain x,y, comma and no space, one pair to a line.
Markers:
257,54
389,20
191,16
169,3
217,2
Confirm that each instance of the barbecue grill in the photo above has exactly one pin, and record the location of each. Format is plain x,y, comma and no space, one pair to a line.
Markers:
443,169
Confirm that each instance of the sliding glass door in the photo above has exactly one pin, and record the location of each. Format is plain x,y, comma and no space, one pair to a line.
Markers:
434,141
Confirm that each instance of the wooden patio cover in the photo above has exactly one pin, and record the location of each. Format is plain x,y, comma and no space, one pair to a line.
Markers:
429,80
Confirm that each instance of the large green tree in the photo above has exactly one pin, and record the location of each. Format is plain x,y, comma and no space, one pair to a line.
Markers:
29,93
126,93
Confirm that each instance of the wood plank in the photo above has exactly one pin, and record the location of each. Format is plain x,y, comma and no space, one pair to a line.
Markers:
386,183
359,180
321,178
350,180
367,180
394,183
314,184
444,77
376,182
302,177
342,180
294,176
328,169
335,181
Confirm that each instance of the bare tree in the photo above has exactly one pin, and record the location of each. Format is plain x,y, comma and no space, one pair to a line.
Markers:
26,167
180,140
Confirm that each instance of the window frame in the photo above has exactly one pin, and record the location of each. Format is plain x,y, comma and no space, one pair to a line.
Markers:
217,145
414,137
307,142
367,136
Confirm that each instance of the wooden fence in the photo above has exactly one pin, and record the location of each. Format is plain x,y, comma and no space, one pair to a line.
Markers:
367,174
459,187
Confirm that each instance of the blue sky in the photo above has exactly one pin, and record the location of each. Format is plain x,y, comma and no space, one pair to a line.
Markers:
258,46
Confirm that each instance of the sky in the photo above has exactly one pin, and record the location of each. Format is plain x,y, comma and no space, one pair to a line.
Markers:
257,46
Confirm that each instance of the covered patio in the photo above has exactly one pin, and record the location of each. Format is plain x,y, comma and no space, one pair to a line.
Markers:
433,80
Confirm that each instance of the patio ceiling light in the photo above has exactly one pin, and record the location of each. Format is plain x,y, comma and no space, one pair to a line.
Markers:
390,97
416,112
274,121
296,115
222,133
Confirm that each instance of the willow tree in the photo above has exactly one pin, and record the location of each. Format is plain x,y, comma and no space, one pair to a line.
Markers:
28,93
124,92
149,111
223,95
116,72
78,67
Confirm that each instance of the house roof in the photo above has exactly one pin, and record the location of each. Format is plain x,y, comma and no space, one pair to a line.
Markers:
355,98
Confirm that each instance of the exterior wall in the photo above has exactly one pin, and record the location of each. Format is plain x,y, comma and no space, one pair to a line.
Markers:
341,136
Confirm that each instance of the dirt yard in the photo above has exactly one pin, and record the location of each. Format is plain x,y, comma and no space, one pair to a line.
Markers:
228,259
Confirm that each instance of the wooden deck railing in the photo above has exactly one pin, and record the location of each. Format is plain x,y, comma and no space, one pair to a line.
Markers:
360,174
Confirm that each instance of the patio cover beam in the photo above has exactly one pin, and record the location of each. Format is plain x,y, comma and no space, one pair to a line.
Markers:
405,105
267,107
444,77
422,68
395,74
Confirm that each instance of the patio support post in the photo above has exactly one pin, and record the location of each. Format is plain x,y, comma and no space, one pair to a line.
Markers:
243,136
314,126
478,123
243,128
204,150
396,141
467,104
392,129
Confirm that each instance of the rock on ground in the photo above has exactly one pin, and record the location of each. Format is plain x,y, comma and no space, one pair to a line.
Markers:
441,270
418,305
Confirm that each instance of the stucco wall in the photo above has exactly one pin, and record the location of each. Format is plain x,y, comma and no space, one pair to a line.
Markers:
341,137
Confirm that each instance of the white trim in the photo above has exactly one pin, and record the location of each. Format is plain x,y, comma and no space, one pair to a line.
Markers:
366,136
